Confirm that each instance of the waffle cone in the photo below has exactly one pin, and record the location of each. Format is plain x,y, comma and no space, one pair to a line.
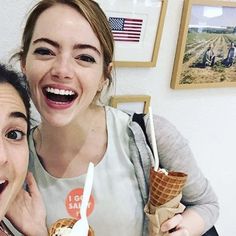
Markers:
65,222
164,187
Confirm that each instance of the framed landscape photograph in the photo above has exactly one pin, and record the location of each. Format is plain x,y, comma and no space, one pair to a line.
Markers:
206,48
131,103
137,28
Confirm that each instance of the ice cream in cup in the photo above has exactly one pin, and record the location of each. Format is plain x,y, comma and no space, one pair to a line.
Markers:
64,226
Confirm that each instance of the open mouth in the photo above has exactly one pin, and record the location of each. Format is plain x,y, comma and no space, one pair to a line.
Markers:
3,184
59,95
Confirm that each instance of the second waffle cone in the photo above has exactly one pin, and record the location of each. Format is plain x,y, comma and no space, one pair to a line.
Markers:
164,187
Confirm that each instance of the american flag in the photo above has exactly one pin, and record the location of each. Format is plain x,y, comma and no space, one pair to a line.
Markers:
126,29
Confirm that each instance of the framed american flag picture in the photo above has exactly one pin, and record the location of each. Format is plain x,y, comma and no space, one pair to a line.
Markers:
137,27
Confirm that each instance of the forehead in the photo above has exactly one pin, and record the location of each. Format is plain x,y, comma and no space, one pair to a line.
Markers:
10,100
62,22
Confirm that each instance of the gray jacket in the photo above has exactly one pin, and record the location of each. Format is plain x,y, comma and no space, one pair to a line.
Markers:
174,154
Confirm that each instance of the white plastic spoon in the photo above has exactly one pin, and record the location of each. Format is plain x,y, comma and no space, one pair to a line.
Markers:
81,227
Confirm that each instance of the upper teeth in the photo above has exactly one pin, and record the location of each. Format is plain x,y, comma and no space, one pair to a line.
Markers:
60,91
2,181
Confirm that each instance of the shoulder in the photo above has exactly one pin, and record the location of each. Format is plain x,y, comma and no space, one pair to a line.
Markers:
163,127
117,115
167,135
117,120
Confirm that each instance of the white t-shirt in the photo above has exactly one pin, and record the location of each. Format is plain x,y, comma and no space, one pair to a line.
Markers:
115,207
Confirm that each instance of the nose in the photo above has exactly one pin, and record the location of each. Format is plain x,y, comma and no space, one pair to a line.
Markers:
62,68
3,153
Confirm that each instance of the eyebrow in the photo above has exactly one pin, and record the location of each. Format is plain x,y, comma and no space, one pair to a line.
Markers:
84,46
76,46
17,114
49,41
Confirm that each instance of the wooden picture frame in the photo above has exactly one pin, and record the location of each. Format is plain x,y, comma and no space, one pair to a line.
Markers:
131,103
138,44
206,37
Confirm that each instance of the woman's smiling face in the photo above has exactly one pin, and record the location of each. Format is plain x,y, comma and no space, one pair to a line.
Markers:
64,65
14,152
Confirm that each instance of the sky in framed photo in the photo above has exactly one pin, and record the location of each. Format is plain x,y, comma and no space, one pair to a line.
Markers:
213,16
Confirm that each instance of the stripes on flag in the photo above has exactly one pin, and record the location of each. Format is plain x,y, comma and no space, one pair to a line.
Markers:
126,29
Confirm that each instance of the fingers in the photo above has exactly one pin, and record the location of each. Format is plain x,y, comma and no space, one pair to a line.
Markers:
180,232
171,223
174,226
31,184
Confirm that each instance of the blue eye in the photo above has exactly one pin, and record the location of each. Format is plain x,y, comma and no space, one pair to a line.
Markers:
43,51
86,58
15,135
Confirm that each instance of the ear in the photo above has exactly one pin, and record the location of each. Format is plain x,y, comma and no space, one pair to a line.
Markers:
109,68
102,83
105,81
22,66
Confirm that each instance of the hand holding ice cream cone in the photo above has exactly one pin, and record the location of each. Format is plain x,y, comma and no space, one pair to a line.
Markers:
164,198
165,192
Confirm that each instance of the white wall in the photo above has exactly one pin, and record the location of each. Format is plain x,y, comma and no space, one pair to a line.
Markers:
206,117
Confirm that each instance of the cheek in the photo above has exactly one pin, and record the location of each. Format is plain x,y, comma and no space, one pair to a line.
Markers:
21,162
32,75
18,166
94,81
91,90
32,70
18,171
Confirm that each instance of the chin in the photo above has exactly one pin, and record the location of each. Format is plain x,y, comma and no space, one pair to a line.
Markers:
57,121
4,203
